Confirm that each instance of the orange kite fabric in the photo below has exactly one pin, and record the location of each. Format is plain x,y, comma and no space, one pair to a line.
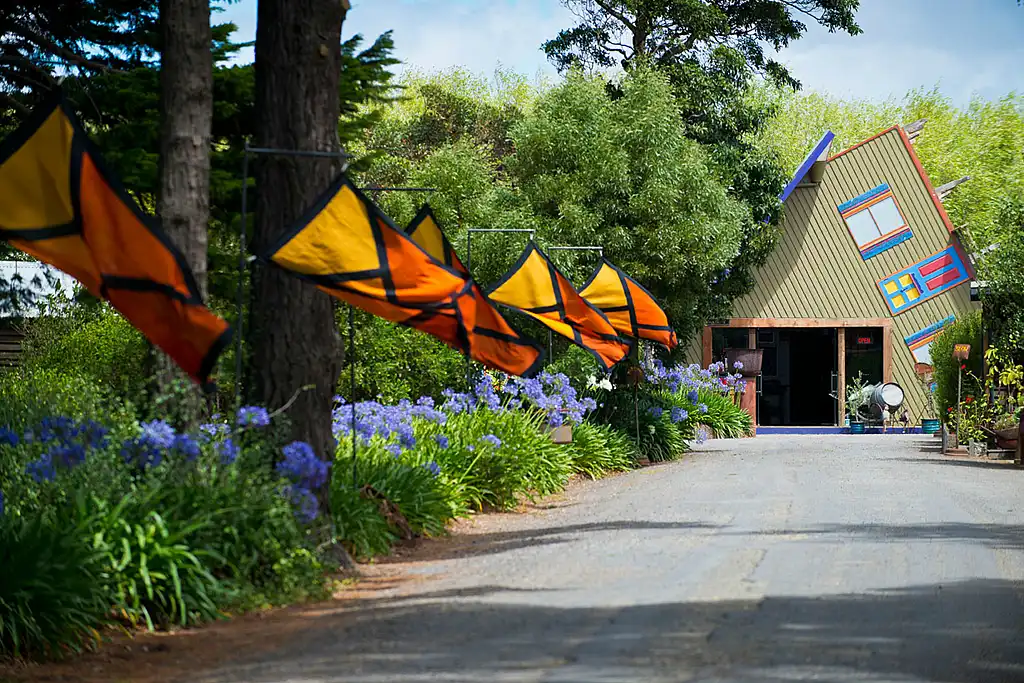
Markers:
58,204
628,306
352,251
492,341
536,287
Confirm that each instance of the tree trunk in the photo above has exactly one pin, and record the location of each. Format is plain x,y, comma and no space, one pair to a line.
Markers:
295,342
186,79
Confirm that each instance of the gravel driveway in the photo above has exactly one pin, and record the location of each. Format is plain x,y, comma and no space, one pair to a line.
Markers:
840,558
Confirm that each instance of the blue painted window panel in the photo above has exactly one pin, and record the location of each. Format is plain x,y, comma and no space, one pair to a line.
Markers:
923,280
875,221
920,342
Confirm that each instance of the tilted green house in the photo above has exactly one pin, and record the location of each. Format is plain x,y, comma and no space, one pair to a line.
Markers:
868,269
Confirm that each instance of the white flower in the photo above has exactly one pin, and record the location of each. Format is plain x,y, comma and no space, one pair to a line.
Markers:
605,384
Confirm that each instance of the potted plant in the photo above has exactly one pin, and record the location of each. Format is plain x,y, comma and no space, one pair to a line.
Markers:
856,398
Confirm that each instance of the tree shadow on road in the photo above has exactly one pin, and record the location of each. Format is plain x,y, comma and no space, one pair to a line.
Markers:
959,632
476,544
998,536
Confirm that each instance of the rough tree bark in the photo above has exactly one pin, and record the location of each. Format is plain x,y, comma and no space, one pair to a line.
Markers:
295,342
186,80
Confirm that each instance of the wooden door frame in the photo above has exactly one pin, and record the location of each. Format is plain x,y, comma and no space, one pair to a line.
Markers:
839,324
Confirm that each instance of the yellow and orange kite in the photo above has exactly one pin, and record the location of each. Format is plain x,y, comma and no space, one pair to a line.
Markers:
492,341
536,287
628,306
58,204
352,251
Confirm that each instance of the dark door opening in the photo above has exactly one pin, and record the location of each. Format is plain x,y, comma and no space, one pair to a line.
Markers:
864,354
799,371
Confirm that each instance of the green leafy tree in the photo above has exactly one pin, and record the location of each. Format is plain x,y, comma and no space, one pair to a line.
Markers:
710,49
697,32
622,173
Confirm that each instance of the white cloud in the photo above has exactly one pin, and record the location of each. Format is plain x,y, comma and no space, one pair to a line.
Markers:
479,36
906,45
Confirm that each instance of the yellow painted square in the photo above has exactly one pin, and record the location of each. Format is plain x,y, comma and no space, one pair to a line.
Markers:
891,287
912,293
905,280
898,301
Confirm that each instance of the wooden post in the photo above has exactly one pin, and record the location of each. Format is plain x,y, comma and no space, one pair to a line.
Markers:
887,353
1019,459
706,346
752,338
841,380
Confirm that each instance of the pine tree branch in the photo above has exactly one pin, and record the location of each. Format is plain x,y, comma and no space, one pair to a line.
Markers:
46,44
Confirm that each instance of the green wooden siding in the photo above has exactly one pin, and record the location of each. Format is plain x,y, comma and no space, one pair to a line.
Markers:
816,271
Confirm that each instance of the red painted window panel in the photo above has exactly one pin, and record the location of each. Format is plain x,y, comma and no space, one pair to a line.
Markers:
937,264
939,280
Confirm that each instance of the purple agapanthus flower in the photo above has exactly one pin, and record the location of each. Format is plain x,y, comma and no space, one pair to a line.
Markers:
491,439
210,431
253,416
441,440
8,437
187,446
141,453
67,456
228,451
692,396
702,408
431,467
42,469
158,433
307,506
301,466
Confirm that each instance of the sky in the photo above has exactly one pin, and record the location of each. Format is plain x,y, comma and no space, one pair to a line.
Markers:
963,47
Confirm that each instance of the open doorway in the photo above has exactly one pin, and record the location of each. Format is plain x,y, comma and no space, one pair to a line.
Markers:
799,376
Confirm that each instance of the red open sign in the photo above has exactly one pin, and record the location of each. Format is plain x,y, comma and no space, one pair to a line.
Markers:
863,340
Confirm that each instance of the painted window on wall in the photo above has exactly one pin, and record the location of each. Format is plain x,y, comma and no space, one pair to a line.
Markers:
920,342
875,221
923,280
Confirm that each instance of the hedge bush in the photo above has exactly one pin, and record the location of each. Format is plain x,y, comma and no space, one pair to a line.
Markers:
966,330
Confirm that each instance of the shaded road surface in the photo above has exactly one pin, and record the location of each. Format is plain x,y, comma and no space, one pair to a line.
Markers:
768,559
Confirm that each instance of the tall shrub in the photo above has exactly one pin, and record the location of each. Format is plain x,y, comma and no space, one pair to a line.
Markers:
966,330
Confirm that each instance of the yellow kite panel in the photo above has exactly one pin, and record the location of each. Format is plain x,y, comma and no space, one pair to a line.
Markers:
628,306
536,287
58,204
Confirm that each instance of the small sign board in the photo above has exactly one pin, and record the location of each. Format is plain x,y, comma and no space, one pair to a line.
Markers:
961,351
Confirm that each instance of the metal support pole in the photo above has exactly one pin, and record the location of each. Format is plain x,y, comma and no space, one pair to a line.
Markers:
243,258
372,188
352,390
242,238
296,152
597,249
959,402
